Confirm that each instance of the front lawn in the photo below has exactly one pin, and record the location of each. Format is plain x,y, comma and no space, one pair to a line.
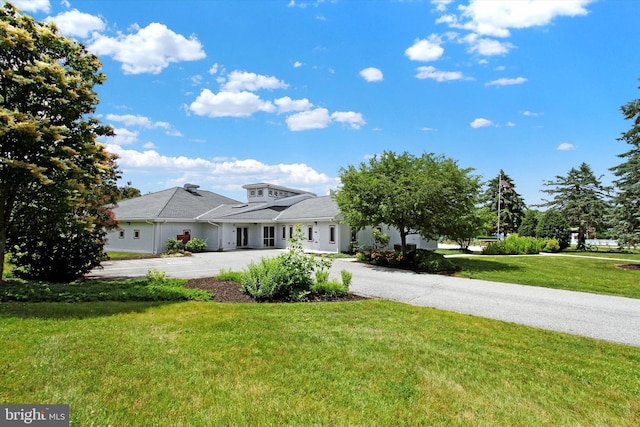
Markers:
593,274
370,362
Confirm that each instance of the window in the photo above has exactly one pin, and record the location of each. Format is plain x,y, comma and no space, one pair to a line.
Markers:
291,231
121,234
310,233
136,234
354,235
270,192
259,193
269,236
332,234
186,232
253,193
284,232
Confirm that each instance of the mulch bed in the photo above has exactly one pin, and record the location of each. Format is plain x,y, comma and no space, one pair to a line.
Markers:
230,292
629,266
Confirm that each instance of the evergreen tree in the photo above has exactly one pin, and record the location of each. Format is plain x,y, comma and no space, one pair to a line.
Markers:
581,198
501,196
625,220
529,223
553,225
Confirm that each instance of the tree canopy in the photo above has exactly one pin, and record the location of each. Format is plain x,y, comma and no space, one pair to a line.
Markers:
423,195
581,198
54,177
625,220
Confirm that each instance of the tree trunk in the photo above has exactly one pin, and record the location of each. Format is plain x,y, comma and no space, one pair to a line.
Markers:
403,240
581,239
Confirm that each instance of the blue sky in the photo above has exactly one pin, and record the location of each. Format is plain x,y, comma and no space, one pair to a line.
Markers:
226,93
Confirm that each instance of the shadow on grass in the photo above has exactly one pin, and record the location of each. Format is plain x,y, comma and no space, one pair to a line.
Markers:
82,310
475,264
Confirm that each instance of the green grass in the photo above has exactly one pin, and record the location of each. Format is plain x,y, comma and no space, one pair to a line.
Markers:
605,254
85,291
128,255
596,275
369,362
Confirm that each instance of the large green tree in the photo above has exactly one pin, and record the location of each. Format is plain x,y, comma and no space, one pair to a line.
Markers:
417,195
625,220
501,198
580,197
53,173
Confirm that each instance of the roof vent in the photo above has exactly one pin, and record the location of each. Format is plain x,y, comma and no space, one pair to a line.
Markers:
191,188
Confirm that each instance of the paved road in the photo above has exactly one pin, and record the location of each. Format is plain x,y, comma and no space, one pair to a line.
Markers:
609,318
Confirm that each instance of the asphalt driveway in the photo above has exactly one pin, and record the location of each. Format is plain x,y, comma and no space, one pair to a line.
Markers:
609,318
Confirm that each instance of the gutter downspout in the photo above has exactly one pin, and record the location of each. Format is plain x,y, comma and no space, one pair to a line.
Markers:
219,234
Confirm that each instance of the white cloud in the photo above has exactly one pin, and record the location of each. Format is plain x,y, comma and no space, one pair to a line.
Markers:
425,49
306,120
297,64
437,75
149,145
511,124
132,120
287,105
229,174
355,120
123,137
496,17
486,47
150,50
481,123
214,69
32,5
74,23
531,114
426,129
441,5
565,146
229,104
241,80
372,74
506,82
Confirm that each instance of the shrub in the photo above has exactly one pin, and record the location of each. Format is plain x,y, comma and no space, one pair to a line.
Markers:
431,262
230,276
174,246
346,278
515,245
156,277
330,288
196,245
287,277
551,245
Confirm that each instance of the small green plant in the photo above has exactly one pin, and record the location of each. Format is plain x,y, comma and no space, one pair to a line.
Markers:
381,240
174,246
230,276
156,277
346,278
196,245
329,288
322,276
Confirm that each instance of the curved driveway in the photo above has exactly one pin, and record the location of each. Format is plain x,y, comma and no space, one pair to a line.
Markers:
609,318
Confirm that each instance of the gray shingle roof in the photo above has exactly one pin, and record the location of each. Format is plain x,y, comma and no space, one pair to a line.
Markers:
315,207
174,203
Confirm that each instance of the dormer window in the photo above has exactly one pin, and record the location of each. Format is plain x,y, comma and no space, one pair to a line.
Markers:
259,193
253,193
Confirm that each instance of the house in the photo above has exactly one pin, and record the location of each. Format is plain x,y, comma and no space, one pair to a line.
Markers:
266,220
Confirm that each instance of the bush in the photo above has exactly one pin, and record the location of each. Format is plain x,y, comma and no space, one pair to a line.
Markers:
287,277
196,245
330,288
418,260
515,245
230,276
174,246
551,245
